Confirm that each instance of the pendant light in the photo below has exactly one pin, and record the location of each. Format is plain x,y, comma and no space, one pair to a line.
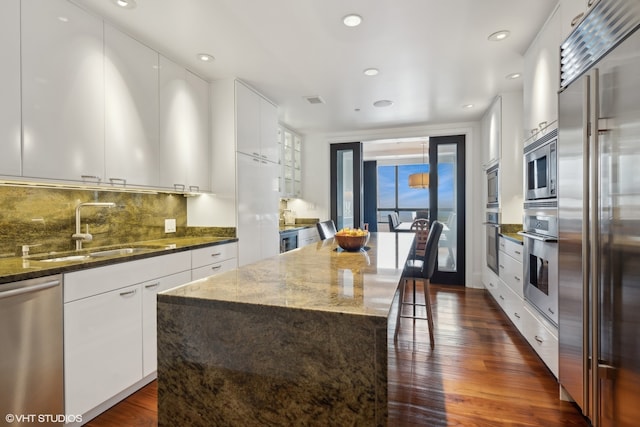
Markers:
419,180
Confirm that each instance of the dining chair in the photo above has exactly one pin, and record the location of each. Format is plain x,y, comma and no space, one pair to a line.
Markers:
394,221
326,229
421,271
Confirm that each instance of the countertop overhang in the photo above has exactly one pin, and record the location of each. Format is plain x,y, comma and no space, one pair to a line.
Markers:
320,276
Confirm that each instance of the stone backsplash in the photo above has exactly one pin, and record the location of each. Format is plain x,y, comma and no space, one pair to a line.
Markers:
46,217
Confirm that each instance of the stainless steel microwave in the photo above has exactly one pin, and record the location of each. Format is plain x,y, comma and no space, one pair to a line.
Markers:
541,167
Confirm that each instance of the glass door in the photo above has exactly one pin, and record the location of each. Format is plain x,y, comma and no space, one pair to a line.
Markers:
346,185
447,205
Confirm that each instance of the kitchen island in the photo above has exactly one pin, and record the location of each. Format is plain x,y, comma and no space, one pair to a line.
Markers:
296,339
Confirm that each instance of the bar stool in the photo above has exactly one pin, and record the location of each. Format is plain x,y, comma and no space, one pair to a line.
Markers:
421,271
326,229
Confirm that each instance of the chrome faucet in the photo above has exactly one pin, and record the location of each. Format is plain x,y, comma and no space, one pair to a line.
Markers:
86,237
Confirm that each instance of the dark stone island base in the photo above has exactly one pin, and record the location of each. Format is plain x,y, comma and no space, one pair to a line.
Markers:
299,339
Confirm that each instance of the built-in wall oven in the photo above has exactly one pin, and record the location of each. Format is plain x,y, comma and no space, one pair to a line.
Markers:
540,232
493,240
541,167
493,187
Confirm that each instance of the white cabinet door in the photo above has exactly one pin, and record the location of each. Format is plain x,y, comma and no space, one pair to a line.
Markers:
174,148
247,120
198,170
149,292
542,77
249,202
102,350
131,96
62,91
269,198
571,13
269,131
184,128
10,88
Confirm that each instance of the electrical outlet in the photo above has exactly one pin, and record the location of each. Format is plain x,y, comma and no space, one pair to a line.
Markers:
170,225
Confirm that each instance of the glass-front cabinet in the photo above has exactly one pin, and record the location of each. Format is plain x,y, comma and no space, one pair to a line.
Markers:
291,171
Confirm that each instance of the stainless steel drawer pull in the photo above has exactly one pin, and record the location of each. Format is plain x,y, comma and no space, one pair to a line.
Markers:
517,278
97,178
517,315
518,252
540,340
501,266
114,180
152,285
217,267
216,254
178,187
501,297
131,292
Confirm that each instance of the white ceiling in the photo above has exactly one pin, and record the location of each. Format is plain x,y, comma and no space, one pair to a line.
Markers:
433,55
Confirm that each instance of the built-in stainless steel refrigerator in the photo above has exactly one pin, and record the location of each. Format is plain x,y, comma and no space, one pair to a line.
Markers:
599,214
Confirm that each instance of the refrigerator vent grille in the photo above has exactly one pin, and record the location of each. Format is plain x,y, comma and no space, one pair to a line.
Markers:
608,23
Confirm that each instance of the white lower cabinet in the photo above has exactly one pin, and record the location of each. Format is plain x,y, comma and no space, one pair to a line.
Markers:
105,324
507,290
110,324
308,236
213,260
149,292
543,338
103,355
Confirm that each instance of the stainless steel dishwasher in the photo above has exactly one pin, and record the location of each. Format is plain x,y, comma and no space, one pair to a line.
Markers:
31,346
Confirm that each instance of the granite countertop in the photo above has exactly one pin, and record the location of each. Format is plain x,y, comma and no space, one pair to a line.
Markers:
316,277
13,269
514,237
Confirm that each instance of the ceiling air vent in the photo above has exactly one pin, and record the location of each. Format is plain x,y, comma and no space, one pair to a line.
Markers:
314,100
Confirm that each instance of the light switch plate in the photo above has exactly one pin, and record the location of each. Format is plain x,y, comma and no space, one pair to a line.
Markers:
170,225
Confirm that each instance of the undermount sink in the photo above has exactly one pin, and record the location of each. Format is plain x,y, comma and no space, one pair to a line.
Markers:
99,254
67,258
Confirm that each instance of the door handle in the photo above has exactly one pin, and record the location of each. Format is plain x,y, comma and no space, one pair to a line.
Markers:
29,289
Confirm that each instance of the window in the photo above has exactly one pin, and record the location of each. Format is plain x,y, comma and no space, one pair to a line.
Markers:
394,194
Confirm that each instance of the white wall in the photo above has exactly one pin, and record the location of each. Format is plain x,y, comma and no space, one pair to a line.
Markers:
316,181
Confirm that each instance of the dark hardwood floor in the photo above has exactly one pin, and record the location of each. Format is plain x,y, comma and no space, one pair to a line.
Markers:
480,373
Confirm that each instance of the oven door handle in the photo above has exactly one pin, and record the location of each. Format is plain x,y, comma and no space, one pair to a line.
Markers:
491,224
538,237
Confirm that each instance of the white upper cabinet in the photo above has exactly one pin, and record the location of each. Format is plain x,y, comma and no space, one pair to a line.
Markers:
184,129
542,77
131,110
491,132
10,87
199,171
571,13
62,91
257,124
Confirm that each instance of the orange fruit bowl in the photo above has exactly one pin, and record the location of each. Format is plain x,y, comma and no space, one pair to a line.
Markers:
351,243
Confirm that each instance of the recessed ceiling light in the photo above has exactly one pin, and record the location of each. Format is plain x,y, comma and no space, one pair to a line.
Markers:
467,106
352,20
63,19
371,72
512,76
499,35
205,57
125,4
383,103
314,99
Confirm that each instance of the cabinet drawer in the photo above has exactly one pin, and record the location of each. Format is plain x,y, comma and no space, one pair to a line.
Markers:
513,306
213,254
494,287
93,281
543,341
511,248
212,269
511,273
